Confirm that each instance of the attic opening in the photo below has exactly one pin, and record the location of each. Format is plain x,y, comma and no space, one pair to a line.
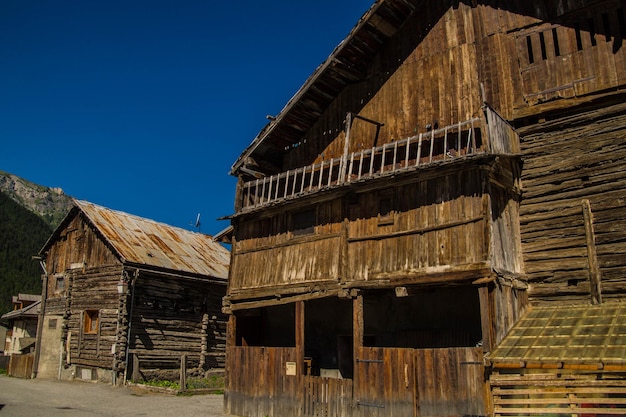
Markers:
428,318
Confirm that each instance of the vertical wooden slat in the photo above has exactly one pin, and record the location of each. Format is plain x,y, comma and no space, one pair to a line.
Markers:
592,257
419,150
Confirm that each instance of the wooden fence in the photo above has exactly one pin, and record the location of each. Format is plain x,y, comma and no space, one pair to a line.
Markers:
21,366
389,382
584,395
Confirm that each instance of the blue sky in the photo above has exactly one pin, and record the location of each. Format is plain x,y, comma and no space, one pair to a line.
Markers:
143,106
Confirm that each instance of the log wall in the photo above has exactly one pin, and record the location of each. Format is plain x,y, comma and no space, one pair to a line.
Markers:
95,289
566,161
175,316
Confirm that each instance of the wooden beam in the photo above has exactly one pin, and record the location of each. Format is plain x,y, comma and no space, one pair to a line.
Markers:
592,257
299,316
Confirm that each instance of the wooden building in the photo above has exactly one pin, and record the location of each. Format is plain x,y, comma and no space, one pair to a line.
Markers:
125,296
451,169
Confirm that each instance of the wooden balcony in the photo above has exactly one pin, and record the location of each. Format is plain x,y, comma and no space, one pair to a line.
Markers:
488,134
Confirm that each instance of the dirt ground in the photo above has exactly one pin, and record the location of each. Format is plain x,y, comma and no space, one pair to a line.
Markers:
37,397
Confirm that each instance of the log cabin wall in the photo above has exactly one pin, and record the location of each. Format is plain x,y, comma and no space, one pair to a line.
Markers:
572,213
176,316
93,292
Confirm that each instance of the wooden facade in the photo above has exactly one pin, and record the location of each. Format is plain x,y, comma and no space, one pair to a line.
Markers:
106,304
451,165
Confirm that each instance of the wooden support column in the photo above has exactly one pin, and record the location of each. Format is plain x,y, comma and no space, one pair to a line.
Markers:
357,334
299,337
346,146
231,339
592,257
486,317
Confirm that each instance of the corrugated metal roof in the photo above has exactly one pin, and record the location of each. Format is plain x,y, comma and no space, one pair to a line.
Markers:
585,334
147,242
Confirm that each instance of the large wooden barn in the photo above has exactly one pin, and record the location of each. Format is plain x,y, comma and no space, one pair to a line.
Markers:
128,297
443,198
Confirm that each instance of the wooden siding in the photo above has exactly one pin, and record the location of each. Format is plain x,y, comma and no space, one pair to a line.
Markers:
257,384
562,393
388,382
439,222
566,161
78,246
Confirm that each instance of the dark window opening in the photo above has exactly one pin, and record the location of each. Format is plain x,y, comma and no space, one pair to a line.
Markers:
579,40
59,285
621,22
269,326
52,324
542,43
555,41
437,318
328,337
592,31
303,222
529,47
386,210
607,27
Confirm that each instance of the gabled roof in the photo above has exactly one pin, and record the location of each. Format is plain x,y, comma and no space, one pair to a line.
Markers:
141,241
347,64
30,311
565,336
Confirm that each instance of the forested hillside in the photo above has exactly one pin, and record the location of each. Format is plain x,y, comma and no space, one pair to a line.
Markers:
22,235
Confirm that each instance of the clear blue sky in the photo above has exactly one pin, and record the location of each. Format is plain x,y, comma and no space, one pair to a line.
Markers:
142,106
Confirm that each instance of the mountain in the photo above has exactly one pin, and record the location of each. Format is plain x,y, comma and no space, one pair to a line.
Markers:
51,204
29,213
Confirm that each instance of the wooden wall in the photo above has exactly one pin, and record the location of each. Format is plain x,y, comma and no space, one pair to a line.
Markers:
76,244
569,160
437,67
388,382
437,222
400,229
93,289
175,316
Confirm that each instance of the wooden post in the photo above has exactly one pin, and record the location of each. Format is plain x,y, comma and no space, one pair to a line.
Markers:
299,337
183,372
231,339
346,146
135,375
357,335
486,317
592,258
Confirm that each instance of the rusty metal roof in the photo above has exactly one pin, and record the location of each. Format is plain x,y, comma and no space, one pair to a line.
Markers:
146,242
583,334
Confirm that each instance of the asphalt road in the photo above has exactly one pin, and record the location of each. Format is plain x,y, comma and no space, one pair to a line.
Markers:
44,398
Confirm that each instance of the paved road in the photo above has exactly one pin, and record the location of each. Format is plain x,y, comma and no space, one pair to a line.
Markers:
44,398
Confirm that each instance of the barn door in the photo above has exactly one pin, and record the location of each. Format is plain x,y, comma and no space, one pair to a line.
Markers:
450,382
385,383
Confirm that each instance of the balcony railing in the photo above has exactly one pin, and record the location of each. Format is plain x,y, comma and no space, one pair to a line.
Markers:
479,135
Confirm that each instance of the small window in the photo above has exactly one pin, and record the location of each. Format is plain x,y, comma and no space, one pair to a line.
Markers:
52,324
303,222
385,210
90,322
59,284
